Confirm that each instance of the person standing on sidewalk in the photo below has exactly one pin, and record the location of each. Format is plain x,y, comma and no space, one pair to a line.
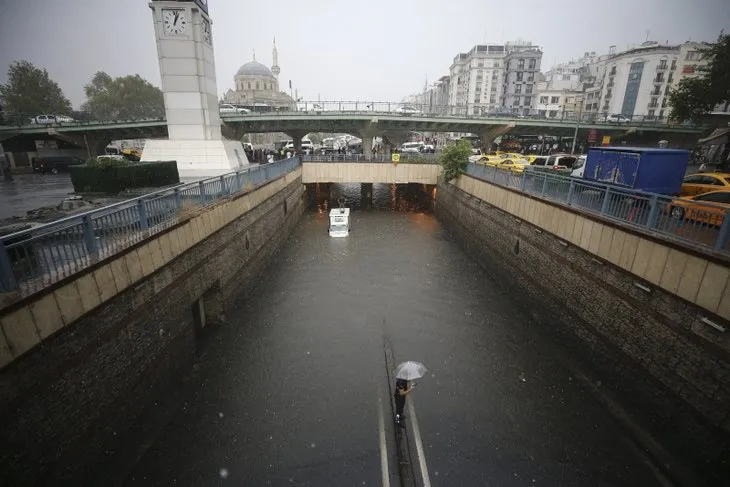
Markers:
402,389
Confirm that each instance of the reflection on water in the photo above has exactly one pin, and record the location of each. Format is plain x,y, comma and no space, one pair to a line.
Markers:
381,197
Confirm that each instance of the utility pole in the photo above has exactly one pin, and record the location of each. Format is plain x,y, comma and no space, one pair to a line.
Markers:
577,124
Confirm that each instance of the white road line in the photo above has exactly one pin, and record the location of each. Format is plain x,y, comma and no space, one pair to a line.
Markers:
383,446
419,444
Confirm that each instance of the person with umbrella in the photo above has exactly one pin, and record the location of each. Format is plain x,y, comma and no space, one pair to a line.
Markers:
404,373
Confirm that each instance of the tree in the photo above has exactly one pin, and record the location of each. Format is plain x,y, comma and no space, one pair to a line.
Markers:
30,91
123,98
454,159
698,95
315,137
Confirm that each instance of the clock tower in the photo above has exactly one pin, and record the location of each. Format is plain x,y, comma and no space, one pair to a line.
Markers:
184,37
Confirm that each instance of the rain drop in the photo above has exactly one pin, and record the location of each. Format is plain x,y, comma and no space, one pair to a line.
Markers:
223,473
220,415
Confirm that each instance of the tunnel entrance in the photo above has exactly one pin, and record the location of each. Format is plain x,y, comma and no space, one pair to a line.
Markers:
412,197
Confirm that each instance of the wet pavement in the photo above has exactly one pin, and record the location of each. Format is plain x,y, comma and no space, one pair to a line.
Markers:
287,392
31,191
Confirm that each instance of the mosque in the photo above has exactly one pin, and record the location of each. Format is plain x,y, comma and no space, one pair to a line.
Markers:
256,87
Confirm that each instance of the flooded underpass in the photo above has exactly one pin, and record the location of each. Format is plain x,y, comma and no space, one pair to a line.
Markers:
294,389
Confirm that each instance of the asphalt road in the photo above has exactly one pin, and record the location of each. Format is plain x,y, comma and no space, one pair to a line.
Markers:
287,393
31,191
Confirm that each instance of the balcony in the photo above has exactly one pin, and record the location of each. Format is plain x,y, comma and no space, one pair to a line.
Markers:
662,67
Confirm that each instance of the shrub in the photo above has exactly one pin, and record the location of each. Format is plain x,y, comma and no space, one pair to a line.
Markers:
112,176
454,159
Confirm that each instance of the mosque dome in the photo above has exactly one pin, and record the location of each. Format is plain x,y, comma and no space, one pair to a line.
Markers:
254,68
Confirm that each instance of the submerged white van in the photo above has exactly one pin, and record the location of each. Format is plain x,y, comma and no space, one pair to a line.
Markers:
339,222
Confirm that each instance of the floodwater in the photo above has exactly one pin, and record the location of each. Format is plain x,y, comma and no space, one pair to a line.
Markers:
31,191
289,392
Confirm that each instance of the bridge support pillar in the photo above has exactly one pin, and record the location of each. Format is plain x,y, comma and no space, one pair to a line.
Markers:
297,136
95,145
366,196
488,135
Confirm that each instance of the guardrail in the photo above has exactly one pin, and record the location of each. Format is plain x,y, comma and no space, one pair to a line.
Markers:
36,258
384,158
697,222
306,108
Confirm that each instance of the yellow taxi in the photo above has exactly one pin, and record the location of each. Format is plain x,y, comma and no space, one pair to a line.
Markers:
695,184
515,166
709,208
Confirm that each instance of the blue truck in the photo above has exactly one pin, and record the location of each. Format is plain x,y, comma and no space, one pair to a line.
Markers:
649,169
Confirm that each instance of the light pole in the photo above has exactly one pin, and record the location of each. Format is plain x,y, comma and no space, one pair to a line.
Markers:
575,133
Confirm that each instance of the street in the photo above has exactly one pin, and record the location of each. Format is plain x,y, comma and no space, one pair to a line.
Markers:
287,393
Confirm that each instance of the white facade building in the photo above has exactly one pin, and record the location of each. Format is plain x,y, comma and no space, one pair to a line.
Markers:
493,77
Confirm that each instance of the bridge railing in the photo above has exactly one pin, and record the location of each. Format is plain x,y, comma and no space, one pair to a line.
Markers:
700,223
308,108
33,259
424,158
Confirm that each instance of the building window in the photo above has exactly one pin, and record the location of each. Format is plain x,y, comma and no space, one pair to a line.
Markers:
519,76
249,85
555,99
543,100
532,64
662,64
651,113
516,101
674,65
492,99
664,102
657,90
692,55
565,77
552,113
521,63
528,89
496,64
613,71
659,78
494,89
528,101
518,88
530,76
480,64
670,78
608,94
661,113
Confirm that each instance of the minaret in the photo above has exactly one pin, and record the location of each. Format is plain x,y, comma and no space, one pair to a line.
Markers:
275,66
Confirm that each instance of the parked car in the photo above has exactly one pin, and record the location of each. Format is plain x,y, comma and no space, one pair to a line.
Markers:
695,184
55,164
411,148
407,110
515,166
556,162
708,208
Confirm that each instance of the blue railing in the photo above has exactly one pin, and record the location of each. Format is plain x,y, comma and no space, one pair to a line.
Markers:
410,158
689,221
36,258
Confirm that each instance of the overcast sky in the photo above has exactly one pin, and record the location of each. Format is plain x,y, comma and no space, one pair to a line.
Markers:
339,49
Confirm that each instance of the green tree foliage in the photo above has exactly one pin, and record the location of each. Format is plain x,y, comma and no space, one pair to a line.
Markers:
698,95
454,159
30,91
123,98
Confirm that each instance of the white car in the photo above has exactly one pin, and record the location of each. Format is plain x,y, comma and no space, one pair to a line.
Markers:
406,110
226,108
411,148
617,118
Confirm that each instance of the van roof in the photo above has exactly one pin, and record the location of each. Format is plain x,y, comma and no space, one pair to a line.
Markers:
653,150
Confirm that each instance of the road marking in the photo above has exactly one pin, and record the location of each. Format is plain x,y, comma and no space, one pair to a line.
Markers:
419,444
383,446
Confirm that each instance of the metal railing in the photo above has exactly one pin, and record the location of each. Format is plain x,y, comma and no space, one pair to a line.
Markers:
306,108
36,258
691,221
406,158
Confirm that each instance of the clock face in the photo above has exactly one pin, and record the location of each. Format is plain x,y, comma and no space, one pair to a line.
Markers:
207,36
174,21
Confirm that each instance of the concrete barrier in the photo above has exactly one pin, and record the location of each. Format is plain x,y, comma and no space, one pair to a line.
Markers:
79,358
369,172
646,314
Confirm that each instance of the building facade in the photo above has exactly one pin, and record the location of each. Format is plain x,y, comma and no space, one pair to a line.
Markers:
256,87
494,78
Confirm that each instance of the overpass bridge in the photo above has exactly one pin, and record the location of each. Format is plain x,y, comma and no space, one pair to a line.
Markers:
357,120
101,312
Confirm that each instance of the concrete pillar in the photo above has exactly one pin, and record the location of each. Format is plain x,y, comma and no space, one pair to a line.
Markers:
366,196
367,146
296,136
488,135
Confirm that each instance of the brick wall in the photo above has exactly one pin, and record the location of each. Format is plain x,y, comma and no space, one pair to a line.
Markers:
647,348
68,399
